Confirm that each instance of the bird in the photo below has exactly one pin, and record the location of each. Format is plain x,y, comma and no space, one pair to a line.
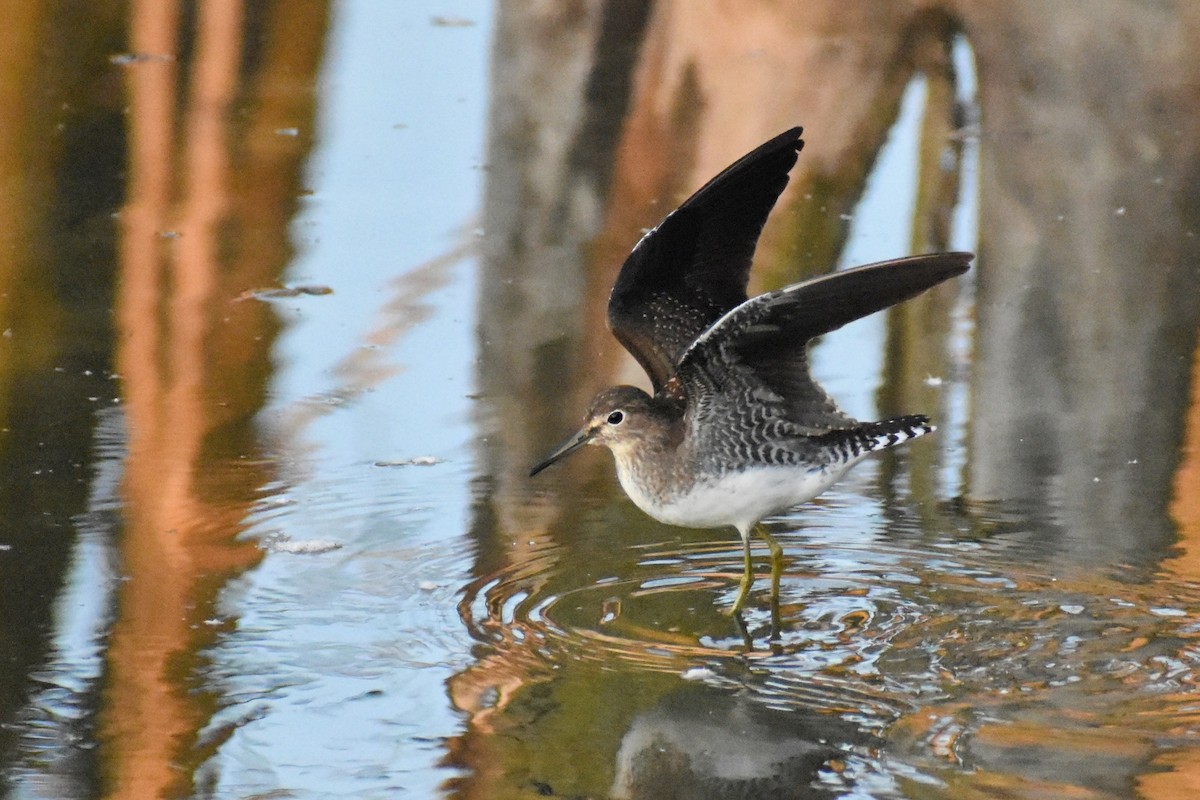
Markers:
737,429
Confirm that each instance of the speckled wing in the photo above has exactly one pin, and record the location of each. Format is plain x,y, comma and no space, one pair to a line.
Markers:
757,354
690,270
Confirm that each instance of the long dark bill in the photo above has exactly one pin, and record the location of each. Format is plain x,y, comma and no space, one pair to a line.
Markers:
578,440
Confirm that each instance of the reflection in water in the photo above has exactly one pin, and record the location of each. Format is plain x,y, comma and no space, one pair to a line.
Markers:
1088,312
196,231
60,161
194,361
1185,499
955,649
703,744
60,714
194,365
367,367
939,642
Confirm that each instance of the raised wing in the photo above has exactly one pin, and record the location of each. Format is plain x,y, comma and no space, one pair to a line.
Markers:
693,268
759,350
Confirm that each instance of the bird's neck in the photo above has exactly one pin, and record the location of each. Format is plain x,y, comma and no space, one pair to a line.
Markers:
655,463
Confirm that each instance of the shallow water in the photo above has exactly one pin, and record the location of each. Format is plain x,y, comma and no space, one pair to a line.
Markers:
298,293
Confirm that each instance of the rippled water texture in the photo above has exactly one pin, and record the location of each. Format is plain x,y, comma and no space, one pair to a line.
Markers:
294,294
932,651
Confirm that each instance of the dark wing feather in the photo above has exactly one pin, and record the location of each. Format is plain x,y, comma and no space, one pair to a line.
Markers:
759,351
693,268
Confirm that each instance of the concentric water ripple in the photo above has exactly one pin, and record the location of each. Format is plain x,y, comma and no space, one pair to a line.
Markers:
875,628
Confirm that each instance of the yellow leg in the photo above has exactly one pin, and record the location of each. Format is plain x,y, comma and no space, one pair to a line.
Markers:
776,559
748,569
747,575
776,572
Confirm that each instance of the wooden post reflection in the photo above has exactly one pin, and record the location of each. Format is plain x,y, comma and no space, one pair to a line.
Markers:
1176,773
918,331
1087,309
1185,500
209,200
163,303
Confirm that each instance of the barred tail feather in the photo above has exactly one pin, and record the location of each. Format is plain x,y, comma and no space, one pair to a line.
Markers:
853,443
891,432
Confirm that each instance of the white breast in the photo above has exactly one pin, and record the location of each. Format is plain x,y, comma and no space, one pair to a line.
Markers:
739,499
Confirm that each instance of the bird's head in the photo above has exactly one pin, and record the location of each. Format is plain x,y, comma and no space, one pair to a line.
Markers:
617,417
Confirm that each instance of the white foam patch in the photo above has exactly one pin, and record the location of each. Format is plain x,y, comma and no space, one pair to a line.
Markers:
302,546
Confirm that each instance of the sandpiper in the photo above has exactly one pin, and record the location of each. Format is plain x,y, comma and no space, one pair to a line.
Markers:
737,429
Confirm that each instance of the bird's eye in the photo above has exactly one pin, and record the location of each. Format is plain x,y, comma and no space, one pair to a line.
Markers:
616,418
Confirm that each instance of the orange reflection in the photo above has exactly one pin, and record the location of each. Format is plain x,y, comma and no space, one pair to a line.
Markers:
209,199
1185,501
1179,777
27,302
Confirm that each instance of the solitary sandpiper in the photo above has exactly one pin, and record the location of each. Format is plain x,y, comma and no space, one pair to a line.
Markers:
737,429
